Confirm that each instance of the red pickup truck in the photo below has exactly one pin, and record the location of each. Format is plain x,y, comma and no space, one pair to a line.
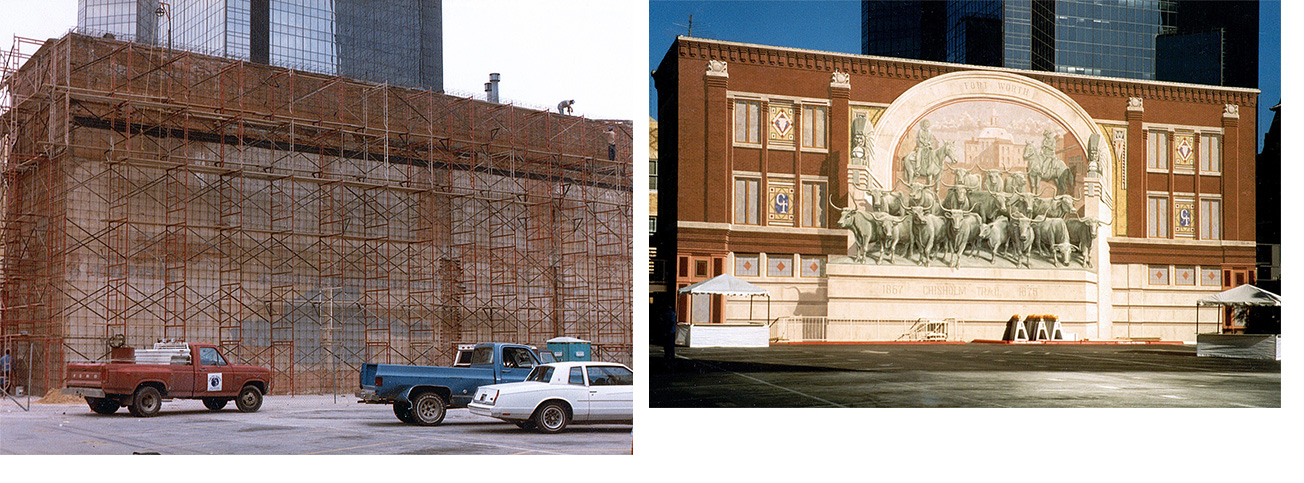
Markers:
142,379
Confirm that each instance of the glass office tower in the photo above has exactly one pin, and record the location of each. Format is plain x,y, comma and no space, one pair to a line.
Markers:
398,42
1114,38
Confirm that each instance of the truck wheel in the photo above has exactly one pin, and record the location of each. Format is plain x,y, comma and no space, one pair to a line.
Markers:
551,418
103,405
147,402
404,412
215,403
249,399
428,409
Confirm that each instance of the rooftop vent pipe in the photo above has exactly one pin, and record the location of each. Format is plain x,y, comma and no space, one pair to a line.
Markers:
491,88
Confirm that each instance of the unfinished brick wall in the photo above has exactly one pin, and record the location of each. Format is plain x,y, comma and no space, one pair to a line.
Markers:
304,222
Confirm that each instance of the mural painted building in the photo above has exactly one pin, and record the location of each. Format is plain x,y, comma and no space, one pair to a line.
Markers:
866,193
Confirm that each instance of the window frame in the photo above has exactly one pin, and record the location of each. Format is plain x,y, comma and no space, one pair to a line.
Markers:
748,200
1208,219
750,122
815,128
1153,201
813,214
1153,152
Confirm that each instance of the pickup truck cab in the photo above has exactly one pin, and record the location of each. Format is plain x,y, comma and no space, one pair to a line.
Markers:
142,380
422,394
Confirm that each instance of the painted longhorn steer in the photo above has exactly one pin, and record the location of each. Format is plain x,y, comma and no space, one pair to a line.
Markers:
928,232
887,201
964,230
1053,239
895,231
966,179
1082,234
1022,236
995,234
1061,206
1017,182
923,195
992,180
862,227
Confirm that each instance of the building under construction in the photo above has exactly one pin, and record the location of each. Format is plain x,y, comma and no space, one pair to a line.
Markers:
307,223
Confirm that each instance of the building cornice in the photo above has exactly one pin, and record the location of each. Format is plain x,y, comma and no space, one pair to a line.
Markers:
909,69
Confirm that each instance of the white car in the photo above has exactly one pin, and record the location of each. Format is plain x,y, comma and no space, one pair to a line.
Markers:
557,394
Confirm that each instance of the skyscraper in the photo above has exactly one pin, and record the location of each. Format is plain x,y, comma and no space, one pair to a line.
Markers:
398,42
1109,38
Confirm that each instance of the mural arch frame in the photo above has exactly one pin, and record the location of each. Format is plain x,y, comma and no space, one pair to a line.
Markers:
916,103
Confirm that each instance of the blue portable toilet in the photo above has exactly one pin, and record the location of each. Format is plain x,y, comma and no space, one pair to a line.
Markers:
570,349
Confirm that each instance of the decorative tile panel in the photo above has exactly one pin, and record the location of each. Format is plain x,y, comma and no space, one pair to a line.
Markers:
1184,218
812,266
1184,276
782,131
780,266
1158,275
779,204
1211,276
1184,151
747,265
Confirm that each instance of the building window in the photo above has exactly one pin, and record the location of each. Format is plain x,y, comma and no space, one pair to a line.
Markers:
814,127
1210,153
747,265
1157,217
1210,219
1159,275
813,196
651,224
652,174
702,268
779,266
747,122
1157,150
747,200
1183,275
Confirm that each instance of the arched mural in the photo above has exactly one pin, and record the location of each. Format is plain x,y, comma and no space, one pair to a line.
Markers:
985,169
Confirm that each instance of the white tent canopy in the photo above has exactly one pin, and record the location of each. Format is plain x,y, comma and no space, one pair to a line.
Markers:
1244,295
726,284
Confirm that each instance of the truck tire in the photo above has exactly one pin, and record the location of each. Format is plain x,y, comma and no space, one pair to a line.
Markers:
403,411
249,399
428,409
146,402
215,403
102,405
552,417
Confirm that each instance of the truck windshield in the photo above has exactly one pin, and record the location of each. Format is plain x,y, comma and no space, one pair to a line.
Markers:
540,374
482,356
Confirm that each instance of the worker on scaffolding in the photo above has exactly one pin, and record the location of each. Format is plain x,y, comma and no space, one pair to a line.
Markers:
564,107
611,143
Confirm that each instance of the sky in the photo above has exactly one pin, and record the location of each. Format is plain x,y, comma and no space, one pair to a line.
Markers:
546,52
835,26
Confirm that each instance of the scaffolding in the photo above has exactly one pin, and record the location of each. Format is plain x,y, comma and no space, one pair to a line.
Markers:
305,222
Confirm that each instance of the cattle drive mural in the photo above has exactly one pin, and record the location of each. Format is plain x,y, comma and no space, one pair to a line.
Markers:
977,183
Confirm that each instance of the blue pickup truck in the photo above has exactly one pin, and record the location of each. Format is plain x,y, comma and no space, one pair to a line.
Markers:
422,394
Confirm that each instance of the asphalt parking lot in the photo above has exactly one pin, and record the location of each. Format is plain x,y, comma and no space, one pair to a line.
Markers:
960,375
320,425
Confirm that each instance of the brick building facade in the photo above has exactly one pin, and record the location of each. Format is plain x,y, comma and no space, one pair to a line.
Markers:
762,147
